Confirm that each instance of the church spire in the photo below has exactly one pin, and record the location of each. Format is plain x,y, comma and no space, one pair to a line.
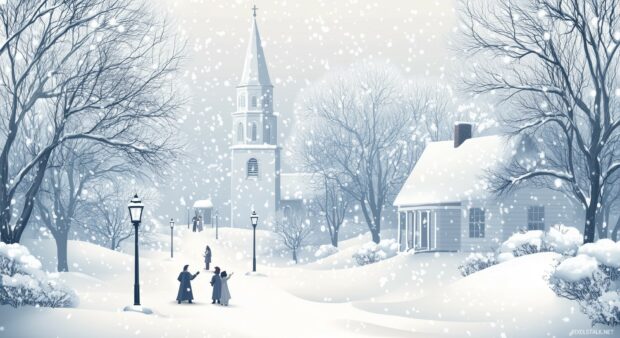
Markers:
255,67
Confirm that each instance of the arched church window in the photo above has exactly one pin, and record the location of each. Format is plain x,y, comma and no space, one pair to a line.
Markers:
242,101
252,168
254,131
254,102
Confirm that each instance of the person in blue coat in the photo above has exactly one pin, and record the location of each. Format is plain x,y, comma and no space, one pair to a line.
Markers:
216,283
185,289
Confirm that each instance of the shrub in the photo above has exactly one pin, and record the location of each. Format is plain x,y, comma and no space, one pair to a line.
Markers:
562,239
22,282
325,250
476,262
589,279
524,243
372,252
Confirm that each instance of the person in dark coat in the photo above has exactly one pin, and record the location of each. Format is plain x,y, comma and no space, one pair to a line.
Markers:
185,289
216,283
195,223
207,256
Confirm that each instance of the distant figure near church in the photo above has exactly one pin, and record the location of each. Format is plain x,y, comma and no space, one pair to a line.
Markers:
185,288
194,223
207,256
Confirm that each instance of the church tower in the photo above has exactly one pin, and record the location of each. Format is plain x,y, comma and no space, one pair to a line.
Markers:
255,172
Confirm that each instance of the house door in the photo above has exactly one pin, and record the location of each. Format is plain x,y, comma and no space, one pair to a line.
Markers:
424,230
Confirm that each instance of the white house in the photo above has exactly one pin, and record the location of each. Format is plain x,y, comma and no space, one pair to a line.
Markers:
445,204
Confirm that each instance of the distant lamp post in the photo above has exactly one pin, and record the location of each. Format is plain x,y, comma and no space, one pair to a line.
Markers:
254,219
216,225
171,238
136,207
187,218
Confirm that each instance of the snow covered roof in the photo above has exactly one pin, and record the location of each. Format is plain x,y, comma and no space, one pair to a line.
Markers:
297,186
203,204
445,174
255,67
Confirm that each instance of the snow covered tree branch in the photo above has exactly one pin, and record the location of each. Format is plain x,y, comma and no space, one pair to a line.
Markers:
555,66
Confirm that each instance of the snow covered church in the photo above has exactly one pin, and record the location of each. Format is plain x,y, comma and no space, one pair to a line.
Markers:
256,181
445,204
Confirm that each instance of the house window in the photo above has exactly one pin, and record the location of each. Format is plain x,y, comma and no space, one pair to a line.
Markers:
254,131
242,101
240,132
536,218
254,102
476,223
252,168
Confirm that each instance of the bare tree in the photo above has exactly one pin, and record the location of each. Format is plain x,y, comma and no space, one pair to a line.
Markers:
294,231
109,218
556,61
93,70
333,204
365,130
75,168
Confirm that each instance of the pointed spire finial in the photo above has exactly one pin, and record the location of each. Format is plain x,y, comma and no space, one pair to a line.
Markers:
254,9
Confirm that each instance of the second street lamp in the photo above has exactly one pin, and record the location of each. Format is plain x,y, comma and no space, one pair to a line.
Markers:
254,219
135,207
171,238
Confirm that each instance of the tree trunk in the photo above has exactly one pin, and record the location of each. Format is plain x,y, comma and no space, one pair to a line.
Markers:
614,233
61,250
589,229
295,255
335,238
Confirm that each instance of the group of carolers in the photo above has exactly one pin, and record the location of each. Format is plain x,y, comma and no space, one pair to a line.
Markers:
219,282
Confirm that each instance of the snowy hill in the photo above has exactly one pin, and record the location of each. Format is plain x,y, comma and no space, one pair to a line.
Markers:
407,295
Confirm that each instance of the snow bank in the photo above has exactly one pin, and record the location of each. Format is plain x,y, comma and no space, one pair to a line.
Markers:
576,268
606,252
22,282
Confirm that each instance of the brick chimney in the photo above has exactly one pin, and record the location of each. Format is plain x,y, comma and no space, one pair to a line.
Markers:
462,132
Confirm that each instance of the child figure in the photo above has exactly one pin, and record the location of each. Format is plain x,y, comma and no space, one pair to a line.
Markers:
216,283
225,297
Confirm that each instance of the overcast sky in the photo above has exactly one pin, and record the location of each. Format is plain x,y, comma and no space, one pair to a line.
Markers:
303,41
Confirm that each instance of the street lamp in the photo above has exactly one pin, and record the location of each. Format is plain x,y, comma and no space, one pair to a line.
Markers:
171,238
216,225
254,219
135,207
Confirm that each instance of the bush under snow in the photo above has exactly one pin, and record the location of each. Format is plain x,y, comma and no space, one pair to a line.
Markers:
564,240
524,243
589,279
22,282
372,252
477,261
325,250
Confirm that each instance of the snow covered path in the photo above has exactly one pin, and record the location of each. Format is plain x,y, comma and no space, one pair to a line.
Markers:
402,297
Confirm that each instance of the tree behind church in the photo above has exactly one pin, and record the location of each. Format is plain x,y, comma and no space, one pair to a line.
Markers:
360,124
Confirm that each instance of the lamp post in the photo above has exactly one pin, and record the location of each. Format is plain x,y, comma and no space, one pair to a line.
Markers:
171,238
254,219
135,207
216,225
187,218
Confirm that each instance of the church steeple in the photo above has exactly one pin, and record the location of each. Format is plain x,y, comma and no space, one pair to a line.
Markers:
255,71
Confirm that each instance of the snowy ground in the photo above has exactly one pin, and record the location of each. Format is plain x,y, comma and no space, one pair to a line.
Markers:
405,296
